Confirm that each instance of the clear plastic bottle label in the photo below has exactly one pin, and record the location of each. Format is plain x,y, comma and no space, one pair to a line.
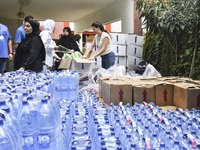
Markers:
44,141
28,141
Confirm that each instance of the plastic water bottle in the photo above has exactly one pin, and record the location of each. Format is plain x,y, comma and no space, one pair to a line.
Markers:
82,143
107,144
46,127
28,123
72,87
162,147
177,146
9,124
141,145
15,123
6,142
127,142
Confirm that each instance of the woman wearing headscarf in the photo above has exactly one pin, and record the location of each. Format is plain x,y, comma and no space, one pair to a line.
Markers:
48,28
67,41
102,40
30,53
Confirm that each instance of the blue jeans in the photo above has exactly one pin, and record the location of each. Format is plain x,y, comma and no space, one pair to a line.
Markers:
2,64
108,60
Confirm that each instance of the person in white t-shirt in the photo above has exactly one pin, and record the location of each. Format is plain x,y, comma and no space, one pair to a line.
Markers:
102,40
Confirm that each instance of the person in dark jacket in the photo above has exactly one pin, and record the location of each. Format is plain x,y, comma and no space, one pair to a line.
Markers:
30,54
67,40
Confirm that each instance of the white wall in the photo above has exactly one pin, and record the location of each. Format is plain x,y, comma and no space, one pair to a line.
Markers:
118,10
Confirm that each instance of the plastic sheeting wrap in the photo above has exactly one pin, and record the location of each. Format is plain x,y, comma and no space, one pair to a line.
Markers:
150,71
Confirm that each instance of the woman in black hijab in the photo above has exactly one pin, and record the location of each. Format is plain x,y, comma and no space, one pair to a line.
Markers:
67,40
30,54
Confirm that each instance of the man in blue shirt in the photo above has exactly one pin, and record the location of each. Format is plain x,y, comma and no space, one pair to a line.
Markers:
20,33
5,44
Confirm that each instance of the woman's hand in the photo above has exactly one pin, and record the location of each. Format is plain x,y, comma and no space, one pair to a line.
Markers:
91,58
56,47
84,57
59,58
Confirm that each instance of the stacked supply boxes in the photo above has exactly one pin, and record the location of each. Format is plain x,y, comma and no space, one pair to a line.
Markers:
119,48
164,91
134,50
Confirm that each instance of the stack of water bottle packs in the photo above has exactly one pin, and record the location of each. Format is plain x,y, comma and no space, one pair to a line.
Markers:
46,111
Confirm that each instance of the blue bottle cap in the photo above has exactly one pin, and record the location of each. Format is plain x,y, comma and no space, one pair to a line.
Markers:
128,135
1,121
103,143
103,148
133,145
25,94
112,133
6,109
88,147
24,102
44,101
2,102
73,147
119,148
99,129
162,144
4,90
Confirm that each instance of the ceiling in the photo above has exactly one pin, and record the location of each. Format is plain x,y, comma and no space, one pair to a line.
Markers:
58,10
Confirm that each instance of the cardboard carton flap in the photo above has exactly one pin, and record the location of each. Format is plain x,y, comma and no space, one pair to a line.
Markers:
92,53
80,60
65,63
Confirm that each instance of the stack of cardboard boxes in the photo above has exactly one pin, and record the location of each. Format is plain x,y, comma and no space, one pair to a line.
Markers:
128,49
119,47
134,50
172,91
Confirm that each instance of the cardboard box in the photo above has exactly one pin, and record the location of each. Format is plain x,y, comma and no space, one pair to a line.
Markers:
134,50
133,61
139,40
87,45
115,91
118,38
128,69
79,64
164,94
144,93
120,60
130,39
135,39
90,38
187,96
119,50
97,63
101,84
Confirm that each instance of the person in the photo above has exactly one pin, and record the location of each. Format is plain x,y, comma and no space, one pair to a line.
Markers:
20,33
67,41
5,44
49,28
77,38
102,40
30,53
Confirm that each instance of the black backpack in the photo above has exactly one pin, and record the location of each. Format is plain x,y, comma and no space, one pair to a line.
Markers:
141,67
